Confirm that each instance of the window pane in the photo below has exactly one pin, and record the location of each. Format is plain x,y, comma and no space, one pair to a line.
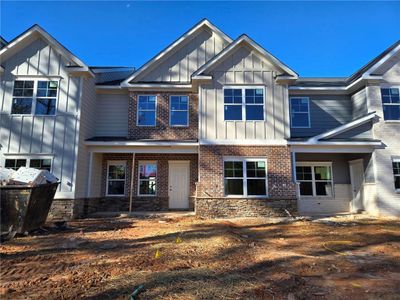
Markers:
306,189
35,163
147,171
147,187
116,172
147,102
232,96
10,163
255,169
147,118
256,187
300,120
391,112
303,173
179,118
322,173
21,106
254,96
23,88
233,112
233,186
116,187
45,106
254,112
323,188
233,169
396,168
397,182
20,163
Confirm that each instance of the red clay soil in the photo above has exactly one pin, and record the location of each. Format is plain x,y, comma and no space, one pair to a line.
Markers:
198,259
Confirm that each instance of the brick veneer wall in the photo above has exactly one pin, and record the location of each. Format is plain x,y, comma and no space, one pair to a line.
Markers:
162,130
210,190
160,201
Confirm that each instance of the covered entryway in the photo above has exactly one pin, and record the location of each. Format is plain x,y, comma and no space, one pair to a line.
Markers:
178,184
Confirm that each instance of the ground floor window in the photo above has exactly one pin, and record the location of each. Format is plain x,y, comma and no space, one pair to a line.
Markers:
116,175
16,163
396,172
245,177
147,178
315,179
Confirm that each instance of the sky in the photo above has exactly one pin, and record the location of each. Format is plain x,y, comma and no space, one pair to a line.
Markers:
313,38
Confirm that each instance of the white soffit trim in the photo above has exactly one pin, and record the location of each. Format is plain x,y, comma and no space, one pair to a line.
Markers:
332,148
132,143
48,38
245,39
343,128
175,44
350,143
244,142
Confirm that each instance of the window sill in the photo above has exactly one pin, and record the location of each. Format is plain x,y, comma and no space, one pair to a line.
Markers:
248,121
392,121
151,196
245,197
122,195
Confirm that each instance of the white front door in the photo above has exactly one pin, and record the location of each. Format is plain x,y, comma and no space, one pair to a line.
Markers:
178,184
357,179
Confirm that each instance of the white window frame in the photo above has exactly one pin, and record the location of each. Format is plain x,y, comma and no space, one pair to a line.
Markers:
308,111
397,160
243,104
244,175
116,163
34,95
313,181
143,162
28,159
389,104
187,112
155,110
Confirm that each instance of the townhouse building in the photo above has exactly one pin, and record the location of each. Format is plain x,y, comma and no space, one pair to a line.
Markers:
209,124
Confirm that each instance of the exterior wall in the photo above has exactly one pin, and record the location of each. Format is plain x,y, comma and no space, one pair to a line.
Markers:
162,130
179,66
326,112
53,136
243,67
140,203
111,115
359,103
211,202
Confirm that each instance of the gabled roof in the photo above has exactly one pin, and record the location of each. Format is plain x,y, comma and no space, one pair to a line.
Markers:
244,39
175,45
3,42
37,30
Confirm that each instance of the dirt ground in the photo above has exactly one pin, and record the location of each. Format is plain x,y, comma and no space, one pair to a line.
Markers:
190,258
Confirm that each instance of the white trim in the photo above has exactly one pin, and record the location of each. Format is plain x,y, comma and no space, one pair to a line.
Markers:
395,160
372,69
351,143
308,111
158,58
252,142
48,38
243,88
187,111
332,148
137,111
149,143
312,165
141,162
144,149
245,159
343,128
116,163
245,39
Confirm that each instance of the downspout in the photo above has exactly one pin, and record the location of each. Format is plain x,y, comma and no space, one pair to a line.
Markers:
132,175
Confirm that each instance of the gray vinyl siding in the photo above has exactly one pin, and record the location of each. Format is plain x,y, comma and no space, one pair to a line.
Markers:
112,115
179,66
243,67
326,112
359,104
55,136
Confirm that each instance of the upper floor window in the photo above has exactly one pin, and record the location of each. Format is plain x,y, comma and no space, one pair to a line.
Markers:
146,112
243,104
38,96
315,179
245,177
391,103
16,163
179,110
299,112
396,173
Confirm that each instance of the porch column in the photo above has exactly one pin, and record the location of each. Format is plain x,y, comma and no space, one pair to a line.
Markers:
294,166
89,181
132,175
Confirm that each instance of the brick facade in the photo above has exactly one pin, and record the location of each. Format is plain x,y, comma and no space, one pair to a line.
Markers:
143,203
162,130
281,189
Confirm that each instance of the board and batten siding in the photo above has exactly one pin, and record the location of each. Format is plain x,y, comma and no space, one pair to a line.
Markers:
326,112
54,136
112,115
180,65
243,68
